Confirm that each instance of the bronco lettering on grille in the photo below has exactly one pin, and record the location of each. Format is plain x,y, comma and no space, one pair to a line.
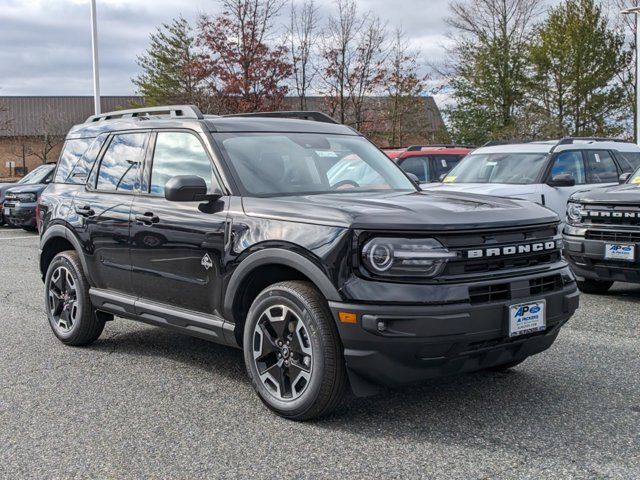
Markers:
513,249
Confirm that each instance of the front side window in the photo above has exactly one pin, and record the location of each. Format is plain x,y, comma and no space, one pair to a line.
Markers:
419,166
445,163
510,168
273,164
179,153
570,163
120,165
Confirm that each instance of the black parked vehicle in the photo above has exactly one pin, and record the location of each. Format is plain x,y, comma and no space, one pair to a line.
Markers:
602,235
19,210
300,242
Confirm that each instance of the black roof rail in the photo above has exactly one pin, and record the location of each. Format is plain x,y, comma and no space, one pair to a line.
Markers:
417,148
181,111
570,140
315,116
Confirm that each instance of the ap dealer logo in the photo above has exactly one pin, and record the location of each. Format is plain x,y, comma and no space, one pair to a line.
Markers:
524,310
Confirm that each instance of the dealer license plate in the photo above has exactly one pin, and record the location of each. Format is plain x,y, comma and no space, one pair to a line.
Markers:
527,318
620,251
7,212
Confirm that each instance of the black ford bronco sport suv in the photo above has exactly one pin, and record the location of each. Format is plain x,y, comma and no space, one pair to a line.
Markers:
602,235
300,242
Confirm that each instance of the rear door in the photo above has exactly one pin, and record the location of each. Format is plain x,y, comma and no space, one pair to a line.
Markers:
102,210
178,247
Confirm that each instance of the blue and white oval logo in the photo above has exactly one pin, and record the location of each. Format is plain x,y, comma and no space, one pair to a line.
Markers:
534,309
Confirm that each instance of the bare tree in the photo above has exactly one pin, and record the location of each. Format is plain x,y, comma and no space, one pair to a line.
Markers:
302,38
5,119
51,134
404,85
353,52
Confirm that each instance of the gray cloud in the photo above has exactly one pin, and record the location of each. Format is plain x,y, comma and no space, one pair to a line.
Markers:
45,45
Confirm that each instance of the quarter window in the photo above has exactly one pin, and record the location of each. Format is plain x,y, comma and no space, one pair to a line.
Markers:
601,167
179,153
119,169
70,157
570,163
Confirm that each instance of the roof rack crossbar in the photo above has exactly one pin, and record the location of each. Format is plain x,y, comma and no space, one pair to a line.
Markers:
417,148
571,140
315,116
176,111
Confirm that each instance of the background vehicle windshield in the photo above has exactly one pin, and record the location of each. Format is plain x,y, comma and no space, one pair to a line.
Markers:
36,176
273,164
513,168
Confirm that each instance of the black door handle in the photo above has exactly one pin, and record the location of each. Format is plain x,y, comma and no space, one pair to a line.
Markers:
147,219
85,211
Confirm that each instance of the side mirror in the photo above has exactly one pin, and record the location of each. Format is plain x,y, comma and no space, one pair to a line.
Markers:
562,180
624,177
188,188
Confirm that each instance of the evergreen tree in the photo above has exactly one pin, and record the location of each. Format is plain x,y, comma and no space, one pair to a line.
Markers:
576,62
169,71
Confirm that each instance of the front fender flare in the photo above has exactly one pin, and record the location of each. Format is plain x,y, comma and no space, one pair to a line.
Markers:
278,256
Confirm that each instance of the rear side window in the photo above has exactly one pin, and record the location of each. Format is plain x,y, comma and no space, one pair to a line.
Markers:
419,166
120,165
601,168
70,157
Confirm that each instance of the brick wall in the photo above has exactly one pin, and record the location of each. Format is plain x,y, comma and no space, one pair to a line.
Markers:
11,150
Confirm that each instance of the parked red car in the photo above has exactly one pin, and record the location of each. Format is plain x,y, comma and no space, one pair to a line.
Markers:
393,153
430,162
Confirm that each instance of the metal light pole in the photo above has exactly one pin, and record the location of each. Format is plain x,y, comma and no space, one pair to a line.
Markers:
636,11
94,45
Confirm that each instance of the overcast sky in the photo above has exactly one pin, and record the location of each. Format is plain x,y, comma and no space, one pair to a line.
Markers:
45,45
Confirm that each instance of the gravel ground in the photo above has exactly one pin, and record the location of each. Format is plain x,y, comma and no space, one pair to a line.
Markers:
145,403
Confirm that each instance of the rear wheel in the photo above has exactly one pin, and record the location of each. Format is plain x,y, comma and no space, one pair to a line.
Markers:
594,286
71,316
293,353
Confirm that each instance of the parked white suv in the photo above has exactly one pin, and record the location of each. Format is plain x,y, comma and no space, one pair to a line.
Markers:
544,172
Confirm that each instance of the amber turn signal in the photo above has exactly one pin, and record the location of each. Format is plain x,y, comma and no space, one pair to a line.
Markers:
348,317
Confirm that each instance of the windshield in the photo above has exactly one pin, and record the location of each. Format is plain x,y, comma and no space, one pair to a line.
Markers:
36,176
274,164
512,168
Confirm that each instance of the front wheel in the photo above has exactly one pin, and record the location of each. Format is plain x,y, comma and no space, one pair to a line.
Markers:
594,286
71,315
293,353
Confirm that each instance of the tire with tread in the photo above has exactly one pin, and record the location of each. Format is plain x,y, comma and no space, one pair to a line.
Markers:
90,325
594,286
329,382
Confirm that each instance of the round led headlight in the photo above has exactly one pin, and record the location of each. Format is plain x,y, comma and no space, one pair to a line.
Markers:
405,257
574,213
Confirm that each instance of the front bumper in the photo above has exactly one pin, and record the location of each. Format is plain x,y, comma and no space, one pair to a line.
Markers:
586,258
22,215
420,342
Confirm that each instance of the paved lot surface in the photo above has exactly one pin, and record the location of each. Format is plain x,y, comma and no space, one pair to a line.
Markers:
144,403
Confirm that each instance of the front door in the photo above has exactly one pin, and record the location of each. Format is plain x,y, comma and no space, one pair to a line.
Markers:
177,248
102,211
566,163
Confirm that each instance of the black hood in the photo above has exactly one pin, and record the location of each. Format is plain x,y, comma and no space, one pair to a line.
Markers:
402,211
31,188
3,189
627,193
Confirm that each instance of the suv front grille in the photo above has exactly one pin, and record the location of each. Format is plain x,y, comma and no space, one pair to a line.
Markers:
612,236
505,291
507,264
611,215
